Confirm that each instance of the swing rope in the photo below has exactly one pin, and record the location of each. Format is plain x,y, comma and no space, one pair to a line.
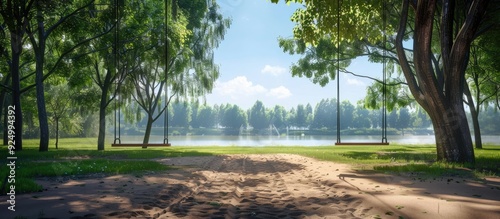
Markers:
116,61
384,72
384,81
338,71
117,122
165,121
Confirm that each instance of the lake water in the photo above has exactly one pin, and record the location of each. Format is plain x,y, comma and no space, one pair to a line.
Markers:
287,140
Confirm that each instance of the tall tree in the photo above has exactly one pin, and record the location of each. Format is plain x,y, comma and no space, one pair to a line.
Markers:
347,114
325,114
59,105
361,118
148,79
109,61
489,119
191,70
148,86
195,108
420,118
436,75
483,80
392,119
233,118
258,117
38,20
44,27
16,16
278,117
181,115
5,87
300,116
206,116
309,114
403,119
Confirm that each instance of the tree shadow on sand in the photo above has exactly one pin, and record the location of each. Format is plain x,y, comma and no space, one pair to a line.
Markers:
237,186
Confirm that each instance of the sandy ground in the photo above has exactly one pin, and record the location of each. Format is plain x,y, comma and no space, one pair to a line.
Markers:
259,186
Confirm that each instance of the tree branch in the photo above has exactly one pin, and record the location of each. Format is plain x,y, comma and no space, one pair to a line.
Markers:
52,70
403,60
372,78
97,80
460,50
64,18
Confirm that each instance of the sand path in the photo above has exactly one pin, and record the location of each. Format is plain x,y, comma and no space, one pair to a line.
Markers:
259,186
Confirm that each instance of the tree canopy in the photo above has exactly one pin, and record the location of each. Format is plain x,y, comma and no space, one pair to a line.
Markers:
441,33
98,46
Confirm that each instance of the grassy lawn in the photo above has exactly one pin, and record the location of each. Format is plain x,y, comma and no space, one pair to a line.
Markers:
78,157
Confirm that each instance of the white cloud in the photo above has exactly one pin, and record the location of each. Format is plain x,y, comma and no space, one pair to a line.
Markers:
273,70
238,87
354,81
280,92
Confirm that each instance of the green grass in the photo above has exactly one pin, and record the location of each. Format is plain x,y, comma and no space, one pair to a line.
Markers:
76,157
84,167
28,170
427,170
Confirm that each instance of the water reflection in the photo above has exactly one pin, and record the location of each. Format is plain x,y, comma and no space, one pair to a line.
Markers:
312,140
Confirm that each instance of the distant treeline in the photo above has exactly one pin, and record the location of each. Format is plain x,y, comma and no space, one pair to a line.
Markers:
201,119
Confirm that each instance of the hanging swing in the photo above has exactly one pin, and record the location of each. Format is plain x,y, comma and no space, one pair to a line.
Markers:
117,115
384,80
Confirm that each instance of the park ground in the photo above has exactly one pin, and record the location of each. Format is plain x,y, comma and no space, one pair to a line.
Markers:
396,181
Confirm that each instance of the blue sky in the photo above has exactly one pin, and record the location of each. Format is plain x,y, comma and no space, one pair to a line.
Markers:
253,67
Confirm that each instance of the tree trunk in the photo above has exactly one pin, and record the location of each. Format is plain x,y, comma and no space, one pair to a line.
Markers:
40,100
102,118
3,112
453,139
477,129
475,118
440,91
147,134
5,100
40,94
16,46
42,110
57,133
5,129
102,129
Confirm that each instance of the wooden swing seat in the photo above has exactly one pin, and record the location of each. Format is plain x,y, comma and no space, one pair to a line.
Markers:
362,143
140,145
